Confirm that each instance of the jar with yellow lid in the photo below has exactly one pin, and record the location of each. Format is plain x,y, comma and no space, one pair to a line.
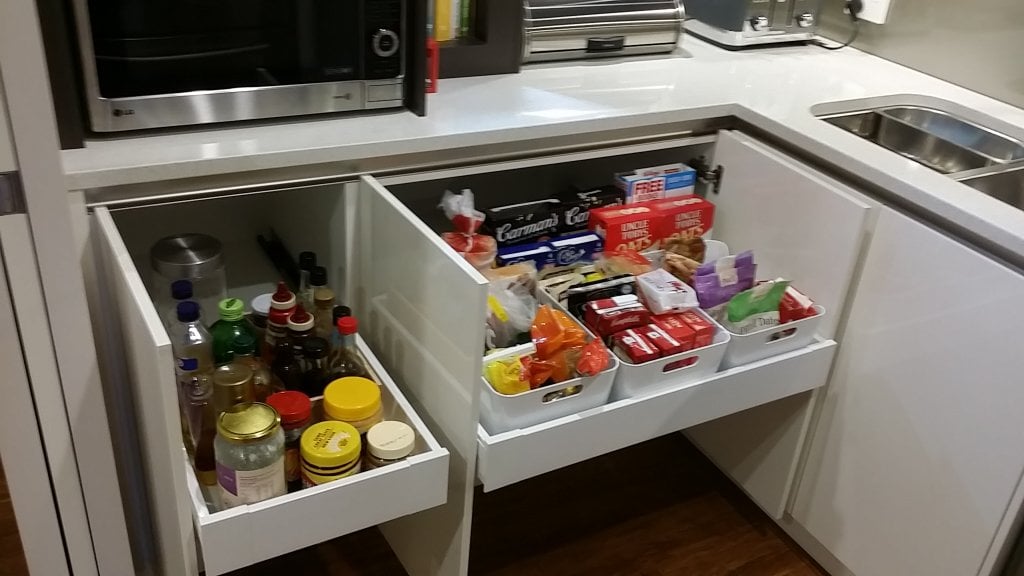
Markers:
249,450
354,400
330,451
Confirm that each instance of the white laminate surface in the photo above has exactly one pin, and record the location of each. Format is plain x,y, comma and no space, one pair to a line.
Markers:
7,161
773,88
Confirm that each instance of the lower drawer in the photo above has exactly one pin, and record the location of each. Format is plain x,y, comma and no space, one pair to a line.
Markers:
510,457
241,536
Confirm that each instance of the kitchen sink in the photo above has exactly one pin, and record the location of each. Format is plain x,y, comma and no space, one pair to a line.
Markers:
968,152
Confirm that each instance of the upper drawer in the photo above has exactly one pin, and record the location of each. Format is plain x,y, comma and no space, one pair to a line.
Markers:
242,536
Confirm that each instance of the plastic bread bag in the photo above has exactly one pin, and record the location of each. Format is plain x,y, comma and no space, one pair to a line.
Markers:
757,308
692,248
511,305
507,376
479,250
681,267
616,262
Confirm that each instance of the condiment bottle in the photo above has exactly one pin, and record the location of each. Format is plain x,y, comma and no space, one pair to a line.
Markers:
260,306
330,451
338,313
323,303
249,449
202,424
347,361
232,323
354,400
314,359
388,442
287,367
300,327
307,261
296,412
193,354
263,381
232,384
282,304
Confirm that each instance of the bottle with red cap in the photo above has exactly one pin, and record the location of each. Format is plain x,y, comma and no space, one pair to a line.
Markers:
282,304
296,412
347,361
300,329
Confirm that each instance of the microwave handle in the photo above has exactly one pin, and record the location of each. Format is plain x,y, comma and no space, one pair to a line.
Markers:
606,44
192,56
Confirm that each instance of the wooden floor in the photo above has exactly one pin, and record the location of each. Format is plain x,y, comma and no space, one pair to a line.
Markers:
657,509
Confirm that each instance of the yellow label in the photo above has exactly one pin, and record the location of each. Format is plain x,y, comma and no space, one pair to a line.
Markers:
497,308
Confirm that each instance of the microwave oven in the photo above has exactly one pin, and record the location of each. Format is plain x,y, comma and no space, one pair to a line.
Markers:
159,63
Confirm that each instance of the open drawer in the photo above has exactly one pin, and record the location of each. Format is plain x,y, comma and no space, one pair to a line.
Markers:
190,537
516,455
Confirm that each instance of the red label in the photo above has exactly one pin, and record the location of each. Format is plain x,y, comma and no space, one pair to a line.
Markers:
685,217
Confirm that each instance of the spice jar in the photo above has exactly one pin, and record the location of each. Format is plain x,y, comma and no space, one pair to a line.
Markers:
249,450
330,450
388,442
232,384
296,412
354,400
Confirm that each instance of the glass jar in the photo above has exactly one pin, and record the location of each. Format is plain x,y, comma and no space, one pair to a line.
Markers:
315,375
388,442
330,451
195,257
296,413
249,450
232,384
354,400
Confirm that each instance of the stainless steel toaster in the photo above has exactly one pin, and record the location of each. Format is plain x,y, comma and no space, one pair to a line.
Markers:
742,23
569,29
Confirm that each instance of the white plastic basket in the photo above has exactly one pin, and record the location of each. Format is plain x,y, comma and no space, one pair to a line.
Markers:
747,348
501,413
671,371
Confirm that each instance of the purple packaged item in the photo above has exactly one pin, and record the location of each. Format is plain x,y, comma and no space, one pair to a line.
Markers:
717,282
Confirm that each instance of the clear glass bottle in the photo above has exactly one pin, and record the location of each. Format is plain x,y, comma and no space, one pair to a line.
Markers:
286,366
315,361
263,381
347,361
232,385
193,353
323,303
202,424
231,324
307,261
249,450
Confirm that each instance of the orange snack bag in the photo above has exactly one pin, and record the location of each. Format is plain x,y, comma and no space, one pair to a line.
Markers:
547,332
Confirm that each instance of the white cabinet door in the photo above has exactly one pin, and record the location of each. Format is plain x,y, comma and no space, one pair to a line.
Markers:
7,162
914,464
150,382
426,310
806,227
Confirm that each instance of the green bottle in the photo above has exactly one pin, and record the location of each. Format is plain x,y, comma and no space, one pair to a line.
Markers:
232,323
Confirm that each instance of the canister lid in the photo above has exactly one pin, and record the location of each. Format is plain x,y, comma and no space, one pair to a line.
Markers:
248,422
232,383
261,304
330,444
187,256
352,399
390,440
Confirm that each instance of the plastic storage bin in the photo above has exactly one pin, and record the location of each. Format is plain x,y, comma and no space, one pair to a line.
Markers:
633,380
747,348
500,413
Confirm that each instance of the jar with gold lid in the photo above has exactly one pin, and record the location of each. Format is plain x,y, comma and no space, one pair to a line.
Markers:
249,450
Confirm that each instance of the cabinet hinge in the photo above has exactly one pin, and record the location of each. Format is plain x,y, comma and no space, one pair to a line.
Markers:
707,175
12,194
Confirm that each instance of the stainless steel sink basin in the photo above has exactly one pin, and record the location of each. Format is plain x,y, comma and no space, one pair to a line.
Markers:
938,140
1006,185
979,157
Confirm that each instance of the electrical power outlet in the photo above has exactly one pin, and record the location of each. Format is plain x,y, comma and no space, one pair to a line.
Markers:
876,11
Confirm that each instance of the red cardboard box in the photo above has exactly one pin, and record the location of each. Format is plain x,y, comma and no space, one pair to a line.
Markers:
663,341
635,347
703,329
631,227
607,317
677,329
684,217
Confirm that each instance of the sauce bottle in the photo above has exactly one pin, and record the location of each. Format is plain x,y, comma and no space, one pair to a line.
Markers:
263,382
300,327
282,304
323,303
232,323
347,361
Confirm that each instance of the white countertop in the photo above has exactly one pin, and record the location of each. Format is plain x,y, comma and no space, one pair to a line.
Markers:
773,89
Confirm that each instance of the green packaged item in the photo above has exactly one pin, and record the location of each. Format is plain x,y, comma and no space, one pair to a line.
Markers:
755,309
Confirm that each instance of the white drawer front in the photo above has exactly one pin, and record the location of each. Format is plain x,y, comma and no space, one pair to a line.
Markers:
520,454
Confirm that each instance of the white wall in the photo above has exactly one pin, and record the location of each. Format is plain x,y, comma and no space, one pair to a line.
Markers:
975,43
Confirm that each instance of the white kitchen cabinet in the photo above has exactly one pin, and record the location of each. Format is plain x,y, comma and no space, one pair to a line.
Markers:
422,310
915,462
